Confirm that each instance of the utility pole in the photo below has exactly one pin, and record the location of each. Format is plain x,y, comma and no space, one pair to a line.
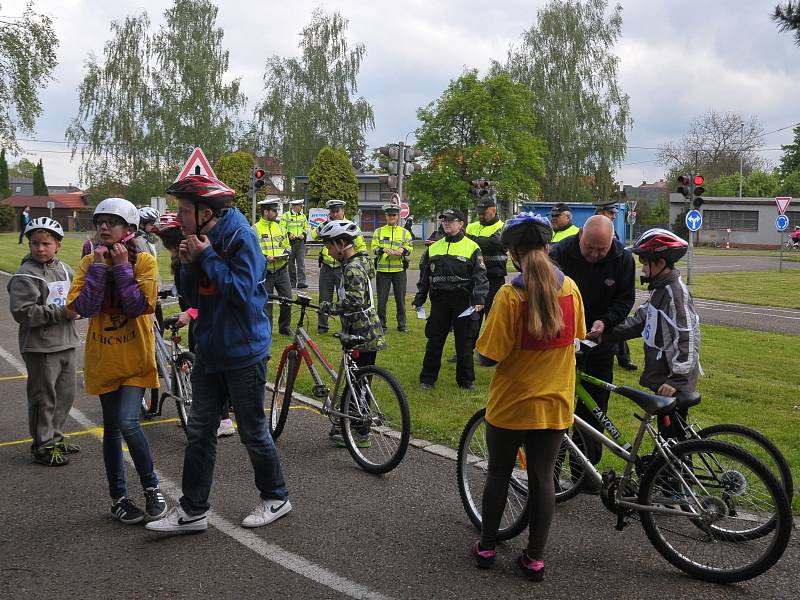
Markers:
741,156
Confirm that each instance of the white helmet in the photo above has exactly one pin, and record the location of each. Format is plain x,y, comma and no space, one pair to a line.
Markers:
119,207
44,223
148,213
339,230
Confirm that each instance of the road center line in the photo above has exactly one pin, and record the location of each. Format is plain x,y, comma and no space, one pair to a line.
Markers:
272,552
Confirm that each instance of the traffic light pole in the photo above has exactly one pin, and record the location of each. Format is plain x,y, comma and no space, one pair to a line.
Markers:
401,167
253,190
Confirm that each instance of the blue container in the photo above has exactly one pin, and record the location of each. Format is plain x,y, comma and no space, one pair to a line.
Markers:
580,212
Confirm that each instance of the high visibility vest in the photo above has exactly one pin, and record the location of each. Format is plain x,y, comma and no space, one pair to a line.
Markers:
359,245
449,263
274,242
391,237
475,229
560,235
295,224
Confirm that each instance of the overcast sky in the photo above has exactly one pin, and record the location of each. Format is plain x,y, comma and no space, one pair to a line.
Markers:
678,59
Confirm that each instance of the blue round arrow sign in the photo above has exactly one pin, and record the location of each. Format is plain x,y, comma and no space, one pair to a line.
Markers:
694,220
781,222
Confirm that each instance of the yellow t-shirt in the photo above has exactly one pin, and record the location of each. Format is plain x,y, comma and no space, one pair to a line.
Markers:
120,350
533,386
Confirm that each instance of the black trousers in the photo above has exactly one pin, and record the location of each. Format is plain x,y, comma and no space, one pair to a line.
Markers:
278,281
397,282
328,280
495,283
600,365
445,308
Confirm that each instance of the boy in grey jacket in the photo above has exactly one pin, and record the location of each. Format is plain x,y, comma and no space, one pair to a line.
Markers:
47,340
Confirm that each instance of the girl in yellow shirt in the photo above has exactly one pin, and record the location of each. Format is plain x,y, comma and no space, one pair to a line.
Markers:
116,288
529,336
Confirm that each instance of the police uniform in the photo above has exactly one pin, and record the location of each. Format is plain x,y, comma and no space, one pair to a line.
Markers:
391,268
275,243
452,273
487,235
330,269
564,232
296,224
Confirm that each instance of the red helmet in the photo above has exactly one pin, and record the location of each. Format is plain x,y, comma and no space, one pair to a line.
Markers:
168,220
204,190
660,243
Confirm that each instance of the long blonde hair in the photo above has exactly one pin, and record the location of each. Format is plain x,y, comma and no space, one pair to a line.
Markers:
545,318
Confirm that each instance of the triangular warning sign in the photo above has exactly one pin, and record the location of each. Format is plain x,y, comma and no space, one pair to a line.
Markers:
783,203
196,165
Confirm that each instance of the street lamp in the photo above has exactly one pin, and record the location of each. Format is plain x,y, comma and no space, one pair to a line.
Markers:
741,156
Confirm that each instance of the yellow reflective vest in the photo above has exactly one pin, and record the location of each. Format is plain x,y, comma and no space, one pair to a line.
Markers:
565,233
274,242
391,237
294,224
359,245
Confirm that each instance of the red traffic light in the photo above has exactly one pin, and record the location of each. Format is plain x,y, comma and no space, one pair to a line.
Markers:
260,173
699,180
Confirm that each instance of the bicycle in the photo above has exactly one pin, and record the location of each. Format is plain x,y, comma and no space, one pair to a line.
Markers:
369,398
174,366
712,493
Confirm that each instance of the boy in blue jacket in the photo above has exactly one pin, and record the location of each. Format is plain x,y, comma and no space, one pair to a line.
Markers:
222,274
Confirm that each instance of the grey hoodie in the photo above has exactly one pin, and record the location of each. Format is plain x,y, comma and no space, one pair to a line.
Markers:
42,327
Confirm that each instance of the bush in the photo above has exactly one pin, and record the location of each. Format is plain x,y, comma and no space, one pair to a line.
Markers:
7,217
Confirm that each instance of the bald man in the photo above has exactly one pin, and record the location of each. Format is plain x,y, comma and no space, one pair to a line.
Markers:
605,273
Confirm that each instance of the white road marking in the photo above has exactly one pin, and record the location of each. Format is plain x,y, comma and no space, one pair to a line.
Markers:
272,552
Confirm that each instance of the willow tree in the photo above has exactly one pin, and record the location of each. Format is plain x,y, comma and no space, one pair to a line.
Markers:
567,61
28,47
310,101
154,97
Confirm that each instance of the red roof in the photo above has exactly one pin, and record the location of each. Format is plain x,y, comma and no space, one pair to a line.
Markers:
71,200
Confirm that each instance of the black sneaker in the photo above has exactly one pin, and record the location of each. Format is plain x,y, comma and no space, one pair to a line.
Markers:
50,456
125,511
154,504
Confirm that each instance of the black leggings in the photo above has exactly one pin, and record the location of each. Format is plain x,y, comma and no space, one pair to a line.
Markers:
541,449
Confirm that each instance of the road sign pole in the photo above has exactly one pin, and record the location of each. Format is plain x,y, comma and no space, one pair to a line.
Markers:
780,255
689,258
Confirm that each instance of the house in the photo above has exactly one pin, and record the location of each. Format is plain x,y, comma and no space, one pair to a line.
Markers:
21,185
70,209
649,193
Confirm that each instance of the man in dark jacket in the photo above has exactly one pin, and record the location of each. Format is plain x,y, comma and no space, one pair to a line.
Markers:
605,273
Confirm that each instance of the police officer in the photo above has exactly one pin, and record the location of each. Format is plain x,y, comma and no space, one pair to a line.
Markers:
486,233
453,273
561,218
330,269
275,246
295,223
391,245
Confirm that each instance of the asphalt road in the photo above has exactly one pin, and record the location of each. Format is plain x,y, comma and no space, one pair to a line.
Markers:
350,534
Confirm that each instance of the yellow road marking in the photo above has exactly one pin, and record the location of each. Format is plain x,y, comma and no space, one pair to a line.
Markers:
11,377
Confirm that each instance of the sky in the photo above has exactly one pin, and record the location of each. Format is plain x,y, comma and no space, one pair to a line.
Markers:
678,59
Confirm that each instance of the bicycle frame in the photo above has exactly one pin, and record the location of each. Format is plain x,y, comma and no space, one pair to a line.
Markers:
586,399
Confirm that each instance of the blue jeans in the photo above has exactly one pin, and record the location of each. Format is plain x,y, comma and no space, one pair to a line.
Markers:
245,388
121,420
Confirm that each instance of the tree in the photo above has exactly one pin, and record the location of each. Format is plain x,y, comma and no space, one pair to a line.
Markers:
22,168
788,19
478,128
790,186
757,184
8,215
28,47
566,59
310,101
5,189
790,160
153,99
234,169
724,186
713,146
331,177
39,186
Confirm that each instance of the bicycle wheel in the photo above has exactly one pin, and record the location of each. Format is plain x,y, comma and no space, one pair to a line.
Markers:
757,444
721,490
569,475
378,428
472,466
182,387
282,393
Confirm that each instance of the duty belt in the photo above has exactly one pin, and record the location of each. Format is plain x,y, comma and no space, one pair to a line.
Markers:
498,258
449,279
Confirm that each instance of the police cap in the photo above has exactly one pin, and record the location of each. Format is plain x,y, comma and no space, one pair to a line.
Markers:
451,214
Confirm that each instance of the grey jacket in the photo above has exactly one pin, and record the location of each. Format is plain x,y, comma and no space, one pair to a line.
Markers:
42,327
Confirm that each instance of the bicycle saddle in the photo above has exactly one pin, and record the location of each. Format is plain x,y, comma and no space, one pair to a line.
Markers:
652,404
349,341
170,321
687,399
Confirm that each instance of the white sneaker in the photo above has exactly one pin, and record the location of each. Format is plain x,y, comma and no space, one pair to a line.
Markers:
178,521
266,512
226,428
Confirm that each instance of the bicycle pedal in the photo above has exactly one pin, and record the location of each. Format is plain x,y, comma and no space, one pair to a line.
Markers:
320,391
622,521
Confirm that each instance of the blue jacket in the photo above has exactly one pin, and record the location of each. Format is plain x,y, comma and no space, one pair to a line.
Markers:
226,284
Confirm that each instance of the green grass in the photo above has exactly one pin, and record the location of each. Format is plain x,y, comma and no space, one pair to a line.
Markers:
765,288
11,253
751,378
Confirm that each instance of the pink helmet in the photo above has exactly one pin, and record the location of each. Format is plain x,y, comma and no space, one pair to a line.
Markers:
202,190
166,221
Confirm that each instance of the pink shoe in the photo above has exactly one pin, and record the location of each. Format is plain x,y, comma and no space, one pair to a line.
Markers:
484,559
533,569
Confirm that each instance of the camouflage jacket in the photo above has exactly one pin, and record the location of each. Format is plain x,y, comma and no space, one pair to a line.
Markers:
356,305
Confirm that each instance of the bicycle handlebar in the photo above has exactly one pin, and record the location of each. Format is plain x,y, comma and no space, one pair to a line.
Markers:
301,300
